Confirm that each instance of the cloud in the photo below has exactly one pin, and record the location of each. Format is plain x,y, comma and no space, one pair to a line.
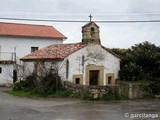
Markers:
112,35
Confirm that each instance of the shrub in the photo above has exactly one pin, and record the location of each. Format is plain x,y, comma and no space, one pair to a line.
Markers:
86,95
49,85
45,86
19,86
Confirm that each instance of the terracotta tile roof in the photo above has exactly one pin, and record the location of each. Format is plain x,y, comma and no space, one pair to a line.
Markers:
57,51
28,30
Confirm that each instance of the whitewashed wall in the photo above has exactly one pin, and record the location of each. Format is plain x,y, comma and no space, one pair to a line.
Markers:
23,44
6,77
92,53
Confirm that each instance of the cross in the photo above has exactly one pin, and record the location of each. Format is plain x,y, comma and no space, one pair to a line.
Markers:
90,17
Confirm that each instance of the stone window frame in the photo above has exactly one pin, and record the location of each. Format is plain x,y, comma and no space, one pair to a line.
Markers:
80,76
113,79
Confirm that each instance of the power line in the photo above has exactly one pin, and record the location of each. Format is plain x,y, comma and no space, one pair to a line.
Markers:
98,21
88,12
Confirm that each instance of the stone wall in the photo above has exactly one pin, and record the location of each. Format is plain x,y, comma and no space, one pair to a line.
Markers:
131,89
96,91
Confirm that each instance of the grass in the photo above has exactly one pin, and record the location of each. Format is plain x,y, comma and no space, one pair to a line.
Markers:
85,95
33,95
22,94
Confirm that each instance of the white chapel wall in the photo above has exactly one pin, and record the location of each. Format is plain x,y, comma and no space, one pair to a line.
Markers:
94,54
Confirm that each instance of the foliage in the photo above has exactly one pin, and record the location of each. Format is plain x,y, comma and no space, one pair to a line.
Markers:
27,84
141,62
19,86
47,86
113,95
86,95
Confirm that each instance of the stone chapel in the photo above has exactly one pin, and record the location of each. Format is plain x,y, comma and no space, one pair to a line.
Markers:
85,63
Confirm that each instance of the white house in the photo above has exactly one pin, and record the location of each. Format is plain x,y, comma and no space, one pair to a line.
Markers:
85,63
17,40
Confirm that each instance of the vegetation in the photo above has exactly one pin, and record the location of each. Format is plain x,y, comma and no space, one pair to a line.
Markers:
50,84
141,62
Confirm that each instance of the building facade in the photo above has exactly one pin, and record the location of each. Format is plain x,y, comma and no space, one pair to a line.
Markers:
85,63
17,40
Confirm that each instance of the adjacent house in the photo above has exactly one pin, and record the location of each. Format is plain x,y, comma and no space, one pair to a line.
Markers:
17,40
85,63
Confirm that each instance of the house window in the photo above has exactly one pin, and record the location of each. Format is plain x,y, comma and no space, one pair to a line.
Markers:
77,80
34,49
67,68
109,80
0,70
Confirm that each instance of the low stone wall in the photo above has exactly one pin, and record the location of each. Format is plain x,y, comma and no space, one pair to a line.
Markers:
96,91
131,89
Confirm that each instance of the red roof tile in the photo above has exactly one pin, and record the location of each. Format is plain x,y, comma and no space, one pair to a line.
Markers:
57,51
28,30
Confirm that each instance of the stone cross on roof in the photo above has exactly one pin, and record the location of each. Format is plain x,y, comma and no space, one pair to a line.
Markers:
90,17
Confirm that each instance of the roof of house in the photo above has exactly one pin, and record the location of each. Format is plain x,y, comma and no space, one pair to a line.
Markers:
56,51
29,30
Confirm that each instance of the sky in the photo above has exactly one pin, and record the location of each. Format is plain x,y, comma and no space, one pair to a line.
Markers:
112,35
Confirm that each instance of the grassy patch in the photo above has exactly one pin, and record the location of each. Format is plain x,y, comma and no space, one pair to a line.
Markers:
85,95
22,94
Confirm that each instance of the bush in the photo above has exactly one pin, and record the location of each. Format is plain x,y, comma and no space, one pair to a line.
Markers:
154,86
50,84
86,95
19,86
47,85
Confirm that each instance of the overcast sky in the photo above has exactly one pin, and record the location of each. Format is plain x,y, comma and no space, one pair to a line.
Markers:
117,35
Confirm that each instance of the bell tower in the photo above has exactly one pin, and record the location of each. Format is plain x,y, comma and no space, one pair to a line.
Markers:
90,32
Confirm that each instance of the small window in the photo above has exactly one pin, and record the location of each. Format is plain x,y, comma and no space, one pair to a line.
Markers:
92,32
92,29
0,70
77,80
67,68
34,49
109,80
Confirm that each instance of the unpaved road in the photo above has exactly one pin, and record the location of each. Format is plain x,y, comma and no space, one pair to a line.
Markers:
18,108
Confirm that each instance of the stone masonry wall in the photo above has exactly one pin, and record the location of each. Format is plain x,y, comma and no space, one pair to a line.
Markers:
96,91
132,90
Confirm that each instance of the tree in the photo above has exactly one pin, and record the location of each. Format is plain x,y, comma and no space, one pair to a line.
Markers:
140,62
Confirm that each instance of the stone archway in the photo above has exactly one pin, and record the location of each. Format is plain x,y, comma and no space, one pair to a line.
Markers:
96,72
